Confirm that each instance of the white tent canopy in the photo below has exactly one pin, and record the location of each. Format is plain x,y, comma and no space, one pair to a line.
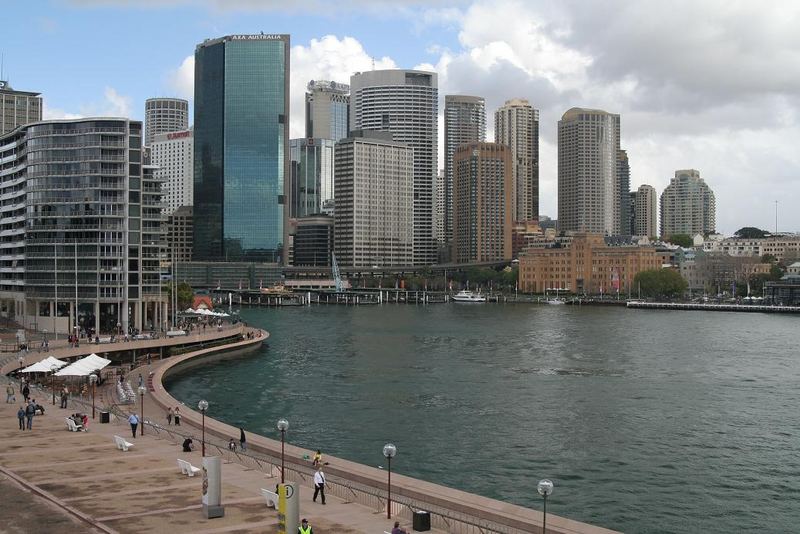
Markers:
44,366
84,366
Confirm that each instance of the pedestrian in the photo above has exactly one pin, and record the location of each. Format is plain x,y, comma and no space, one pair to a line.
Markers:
30,411
134,421
169,415
177,416
317,461
188,445
397,529
10,397
304,527
242,440
141,380
21,417
85,422
149,359
64,396
319,485
26,392
232,445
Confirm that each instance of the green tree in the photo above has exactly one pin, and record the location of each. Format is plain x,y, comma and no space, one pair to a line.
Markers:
682,240
750,232
185,294
768,258
660,283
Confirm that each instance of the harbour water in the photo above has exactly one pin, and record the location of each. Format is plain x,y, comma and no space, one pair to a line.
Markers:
646,421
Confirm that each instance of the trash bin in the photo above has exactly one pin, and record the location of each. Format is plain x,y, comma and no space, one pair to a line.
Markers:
105,417
422,521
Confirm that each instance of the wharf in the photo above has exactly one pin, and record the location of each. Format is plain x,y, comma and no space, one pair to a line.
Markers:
752,308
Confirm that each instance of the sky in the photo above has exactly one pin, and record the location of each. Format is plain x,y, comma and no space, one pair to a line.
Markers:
712,85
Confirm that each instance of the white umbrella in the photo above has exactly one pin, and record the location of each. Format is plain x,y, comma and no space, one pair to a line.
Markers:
84,366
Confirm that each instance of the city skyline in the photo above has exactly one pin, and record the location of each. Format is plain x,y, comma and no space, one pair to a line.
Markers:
683,104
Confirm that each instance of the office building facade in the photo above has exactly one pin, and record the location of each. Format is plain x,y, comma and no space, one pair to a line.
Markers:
18,108
164,115
241,148
83,236
464,122
313,241
688,205
482,203
374,214
311,163
516,125
405,103
624,184
588,183
173,154
646,212
327,110
180,235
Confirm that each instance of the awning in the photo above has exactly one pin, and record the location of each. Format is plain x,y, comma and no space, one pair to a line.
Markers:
84,366
44,366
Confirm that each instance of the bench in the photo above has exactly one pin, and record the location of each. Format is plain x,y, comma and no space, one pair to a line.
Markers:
103,340
72,426
122,444
187,468
175,333
271,497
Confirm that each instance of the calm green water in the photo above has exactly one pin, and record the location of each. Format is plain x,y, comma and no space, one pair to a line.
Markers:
646,421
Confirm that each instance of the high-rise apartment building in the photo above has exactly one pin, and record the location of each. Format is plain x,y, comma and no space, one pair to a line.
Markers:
405,103
173,154
631,223
327,110
588,181
516,125
482,185
374,201
18,108
241,148
164,115
646,212
180,235
439,209
464,122
82,227
311,177
688,206
624,184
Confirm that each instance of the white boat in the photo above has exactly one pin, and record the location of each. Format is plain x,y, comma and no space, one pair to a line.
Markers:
468,296
556,301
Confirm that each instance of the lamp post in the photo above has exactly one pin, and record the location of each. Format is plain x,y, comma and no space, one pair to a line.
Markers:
93,382
545,488
21,363
203,406
283,426
389,451
53,369
142,391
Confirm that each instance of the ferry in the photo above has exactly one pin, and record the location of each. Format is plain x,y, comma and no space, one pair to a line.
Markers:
468,296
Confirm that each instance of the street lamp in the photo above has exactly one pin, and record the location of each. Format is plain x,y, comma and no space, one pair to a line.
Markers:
142,391
545,488
283,426
21,363
389,451
203,406
93,382
53,369
119,329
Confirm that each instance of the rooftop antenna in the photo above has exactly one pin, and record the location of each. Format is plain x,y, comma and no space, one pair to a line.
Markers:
373,62
776,217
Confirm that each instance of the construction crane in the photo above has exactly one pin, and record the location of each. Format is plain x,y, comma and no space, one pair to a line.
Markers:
337,277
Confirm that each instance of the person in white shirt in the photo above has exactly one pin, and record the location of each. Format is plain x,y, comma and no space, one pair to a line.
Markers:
319,485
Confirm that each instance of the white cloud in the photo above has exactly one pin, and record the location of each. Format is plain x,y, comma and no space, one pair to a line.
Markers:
112,104
181,80
49,113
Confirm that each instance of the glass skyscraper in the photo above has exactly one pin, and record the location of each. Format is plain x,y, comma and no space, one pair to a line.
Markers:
241,124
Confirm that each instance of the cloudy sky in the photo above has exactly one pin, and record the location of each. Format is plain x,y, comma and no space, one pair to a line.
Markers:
707,84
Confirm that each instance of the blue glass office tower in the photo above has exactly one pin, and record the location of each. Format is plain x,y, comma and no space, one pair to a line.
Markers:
241,136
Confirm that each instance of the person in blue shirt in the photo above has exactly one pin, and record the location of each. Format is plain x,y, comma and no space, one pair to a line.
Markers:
134,421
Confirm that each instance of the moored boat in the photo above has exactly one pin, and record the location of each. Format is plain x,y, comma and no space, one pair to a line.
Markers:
468,296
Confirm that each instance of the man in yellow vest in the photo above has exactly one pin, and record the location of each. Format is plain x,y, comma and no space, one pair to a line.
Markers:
304,528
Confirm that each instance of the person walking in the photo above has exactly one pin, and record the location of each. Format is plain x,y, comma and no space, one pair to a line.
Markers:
304,527
10,397
134,421
21,417
30,411
242,440
319,485
85,422
64,396
26,392
169,415
177,416
141,380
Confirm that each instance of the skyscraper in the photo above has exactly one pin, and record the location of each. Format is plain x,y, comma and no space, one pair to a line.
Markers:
173,153
482,184
18,108
164,115
327,110
405,103
241,129
624,184
688,206
516,125
311,177
588,182
646,212
464,122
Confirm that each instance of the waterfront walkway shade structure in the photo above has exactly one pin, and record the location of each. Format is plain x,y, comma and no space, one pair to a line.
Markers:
84,366
44,366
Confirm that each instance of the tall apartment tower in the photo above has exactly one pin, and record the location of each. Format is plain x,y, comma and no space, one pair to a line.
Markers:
327,110
405,103
18,108
311,163
439,210
588,182
173,154
373,222
482,195
688,206
241,148
646,212
464,122
516,125
624,183
164,115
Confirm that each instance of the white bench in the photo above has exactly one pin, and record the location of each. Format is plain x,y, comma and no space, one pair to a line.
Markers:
176,333
271,497
104,340
71,426
122,444
187,468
